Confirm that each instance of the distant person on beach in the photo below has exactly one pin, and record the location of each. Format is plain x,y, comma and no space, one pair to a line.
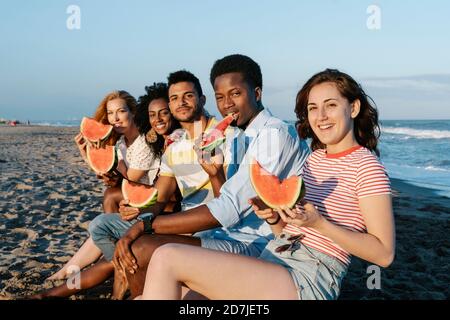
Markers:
137,160
228,221
347,210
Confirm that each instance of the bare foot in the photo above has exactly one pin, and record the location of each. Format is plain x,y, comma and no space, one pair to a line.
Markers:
60,275
120,285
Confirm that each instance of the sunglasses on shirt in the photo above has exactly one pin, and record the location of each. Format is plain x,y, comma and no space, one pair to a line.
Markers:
295,240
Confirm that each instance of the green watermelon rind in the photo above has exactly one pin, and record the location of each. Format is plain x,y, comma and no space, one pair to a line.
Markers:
83,123
111,168
220,140
151,200
214,144
299,193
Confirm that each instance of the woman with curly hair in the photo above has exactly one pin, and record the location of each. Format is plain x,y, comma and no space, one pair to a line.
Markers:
347,210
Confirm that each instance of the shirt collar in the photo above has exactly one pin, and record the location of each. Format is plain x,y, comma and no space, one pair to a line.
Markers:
259,121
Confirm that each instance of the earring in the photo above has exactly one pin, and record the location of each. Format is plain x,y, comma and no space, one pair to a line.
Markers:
151,136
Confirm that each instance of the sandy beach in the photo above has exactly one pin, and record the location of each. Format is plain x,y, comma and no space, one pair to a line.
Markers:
48,196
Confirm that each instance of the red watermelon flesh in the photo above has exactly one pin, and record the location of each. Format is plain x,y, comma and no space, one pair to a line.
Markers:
95,131
139,195
272,191
216,136
101,160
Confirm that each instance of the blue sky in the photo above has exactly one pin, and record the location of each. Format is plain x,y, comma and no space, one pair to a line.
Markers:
49,72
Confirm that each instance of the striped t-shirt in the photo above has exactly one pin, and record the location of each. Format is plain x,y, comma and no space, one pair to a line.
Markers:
334,183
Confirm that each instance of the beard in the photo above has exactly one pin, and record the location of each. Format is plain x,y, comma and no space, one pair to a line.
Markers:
192,117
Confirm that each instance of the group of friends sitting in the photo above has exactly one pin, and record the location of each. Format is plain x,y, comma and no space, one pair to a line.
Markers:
209,236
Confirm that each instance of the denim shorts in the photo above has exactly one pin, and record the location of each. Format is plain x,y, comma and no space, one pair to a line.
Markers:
316,275
229,245
107,229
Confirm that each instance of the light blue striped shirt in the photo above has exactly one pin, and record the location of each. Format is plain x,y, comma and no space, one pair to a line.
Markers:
277,147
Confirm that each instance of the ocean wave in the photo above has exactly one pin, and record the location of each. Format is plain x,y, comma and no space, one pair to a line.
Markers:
432,168
416,133
430,176
57,124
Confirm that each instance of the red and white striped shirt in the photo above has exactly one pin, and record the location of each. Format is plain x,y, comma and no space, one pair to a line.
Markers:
334,183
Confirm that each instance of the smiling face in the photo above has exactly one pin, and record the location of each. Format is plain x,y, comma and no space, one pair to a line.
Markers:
234,95
160,116
184,102
119,115
330,116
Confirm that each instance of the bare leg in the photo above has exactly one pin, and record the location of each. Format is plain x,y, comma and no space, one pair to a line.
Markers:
120,286
143,249
111,199
215,274
89,278
87,254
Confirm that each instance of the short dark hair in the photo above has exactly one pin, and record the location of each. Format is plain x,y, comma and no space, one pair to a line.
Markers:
185,76
249,69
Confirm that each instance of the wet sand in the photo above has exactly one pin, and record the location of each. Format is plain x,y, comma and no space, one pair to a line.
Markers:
48,196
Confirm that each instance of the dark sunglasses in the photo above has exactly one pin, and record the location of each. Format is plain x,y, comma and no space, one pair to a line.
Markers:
290,246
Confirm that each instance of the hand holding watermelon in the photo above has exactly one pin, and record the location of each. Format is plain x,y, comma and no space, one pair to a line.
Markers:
110,179
262,210
302,215
126,212
82,145
211,161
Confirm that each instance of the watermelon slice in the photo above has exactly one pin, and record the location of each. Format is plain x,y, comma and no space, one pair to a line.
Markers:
95,131
216,136
101,160
139,195
272,191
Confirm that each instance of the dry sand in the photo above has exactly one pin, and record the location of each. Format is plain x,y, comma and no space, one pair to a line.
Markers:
48,196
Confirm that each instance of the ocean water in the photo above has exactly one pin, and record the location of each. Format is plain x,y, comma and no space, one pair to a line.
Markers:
417,151
58,123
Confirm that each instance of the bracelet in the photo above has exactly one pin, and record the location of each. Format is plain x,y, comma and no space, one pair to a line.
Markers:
276,221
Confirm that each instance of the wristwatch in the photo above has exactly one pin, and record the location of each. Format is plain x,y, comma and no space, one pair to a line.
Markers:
147,218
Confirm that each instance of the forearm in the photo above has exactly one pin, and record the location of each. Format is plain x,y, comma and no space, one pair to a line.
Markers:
363,245
156,209
216,182
276,228
189,221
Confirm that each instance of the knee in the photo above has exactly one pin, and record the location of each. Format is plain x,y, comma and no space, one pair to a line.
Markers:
143,249
97,226
163,255
111,199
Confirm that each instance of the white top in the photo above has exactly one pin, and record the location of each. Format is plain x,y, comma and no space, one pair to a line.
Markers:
138,156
